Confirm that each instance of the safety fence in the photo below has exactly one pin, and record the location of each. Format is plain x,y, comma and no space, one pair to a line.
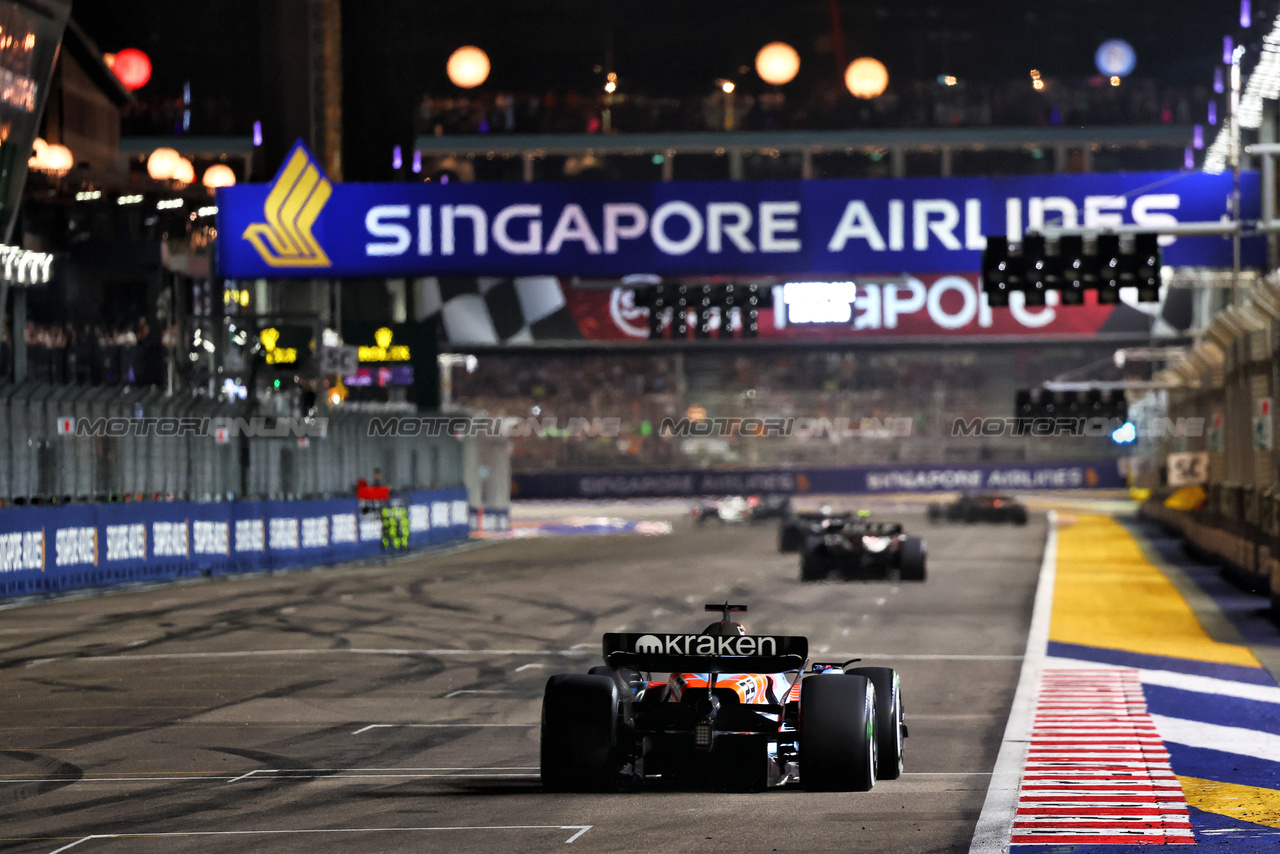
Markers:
1247,549
62,444
1096,474
1227,383
50,549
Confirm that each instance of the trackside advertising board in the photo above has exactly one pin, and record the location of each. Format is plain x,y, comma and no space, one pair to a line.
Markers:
304,225
1098,474
44,549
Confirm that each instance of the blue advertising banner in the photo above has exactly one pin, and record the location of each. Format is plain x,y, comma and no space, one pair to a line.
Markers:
1101,474
304,225
45,549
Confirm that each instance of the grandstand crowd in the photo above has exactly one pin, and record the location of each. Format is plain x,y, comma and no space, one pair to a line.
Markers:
931,389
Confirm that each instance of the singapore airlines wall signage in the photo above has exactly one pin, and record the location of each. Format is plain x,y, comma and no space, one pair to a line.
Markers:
303,225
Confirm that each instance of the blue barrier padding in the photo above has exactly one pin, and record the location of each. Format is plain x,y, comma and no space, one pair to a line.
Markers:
437,516
1095,474
47,549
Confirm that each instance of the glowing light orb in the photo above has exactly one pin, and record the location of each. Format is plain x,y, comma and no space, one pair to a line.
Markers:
777,63
866,78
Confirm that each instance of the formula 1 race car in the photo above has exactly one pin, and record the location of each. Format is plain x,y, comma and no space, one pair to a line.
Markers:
737,711
794,527
857,548
738,508
980,507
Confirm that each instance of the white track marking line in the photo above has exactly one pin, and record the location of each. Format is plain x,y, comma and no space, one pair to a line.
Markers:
1227,739
74,844
268,653
927,657
994,830
583,829
214,775
282,776
441,726
578,828
1210,685
462,691
253,772
1178,681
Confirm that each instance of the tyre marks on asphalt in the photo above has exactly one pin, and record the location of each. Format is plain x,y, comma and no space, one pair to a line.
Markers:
1097,771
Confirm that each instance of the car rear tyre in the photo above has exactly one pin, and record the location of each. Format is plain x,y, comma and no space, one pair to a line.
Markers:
890,719
813,568
837,733
789,537
912,559
579,734
1019,515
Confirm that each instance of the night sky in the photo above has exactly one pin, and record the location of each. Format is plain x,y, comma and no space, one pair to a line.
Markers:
395,50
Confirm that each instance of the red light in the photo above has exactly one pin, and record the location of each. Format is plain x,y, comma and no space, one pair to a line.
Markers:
133,67
753,501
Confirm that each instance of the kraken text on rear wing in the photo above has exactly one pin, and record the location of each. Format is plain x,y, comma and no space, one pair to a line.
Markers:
694,653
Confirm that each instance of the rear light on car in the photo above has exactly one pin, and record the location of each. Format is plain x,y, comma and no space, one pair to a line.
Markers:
702,735
876,544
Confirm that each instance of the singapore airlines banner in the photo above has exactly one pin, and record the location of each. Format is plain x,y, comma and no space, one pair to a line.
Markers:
304,225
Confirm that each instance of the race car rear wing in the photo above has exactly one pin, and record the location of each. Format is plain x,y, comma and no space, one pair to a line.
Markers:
692,653
875,529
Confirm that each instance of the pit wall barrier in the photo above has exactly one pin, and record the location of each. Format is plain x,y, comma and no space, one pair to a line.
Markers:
1099,474
66,547
1247,549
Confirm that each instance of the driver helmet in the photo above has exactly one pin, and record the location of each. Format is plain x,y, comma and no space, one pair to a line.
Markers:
725,627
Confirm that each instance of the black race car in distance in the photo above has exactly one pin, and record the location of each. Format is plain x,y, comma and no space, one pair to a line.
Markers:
794,527
723,710
856,547
980,507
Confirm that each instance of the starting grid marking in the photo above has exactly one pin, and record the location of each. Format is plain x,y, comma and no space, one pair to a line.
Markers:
578,829
1096,770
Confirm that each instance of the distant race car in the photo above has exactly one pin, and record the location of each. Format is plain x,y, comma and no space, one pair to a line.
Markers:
854,546
794,527
737,711
741,508
980,507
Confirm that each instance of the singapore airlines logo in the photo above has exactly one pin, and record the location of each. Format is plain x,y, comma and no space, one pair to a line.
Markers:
299,194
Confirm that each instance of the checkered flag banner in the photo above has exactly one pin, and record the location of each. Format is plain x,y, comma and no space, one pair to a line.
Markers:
477,311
